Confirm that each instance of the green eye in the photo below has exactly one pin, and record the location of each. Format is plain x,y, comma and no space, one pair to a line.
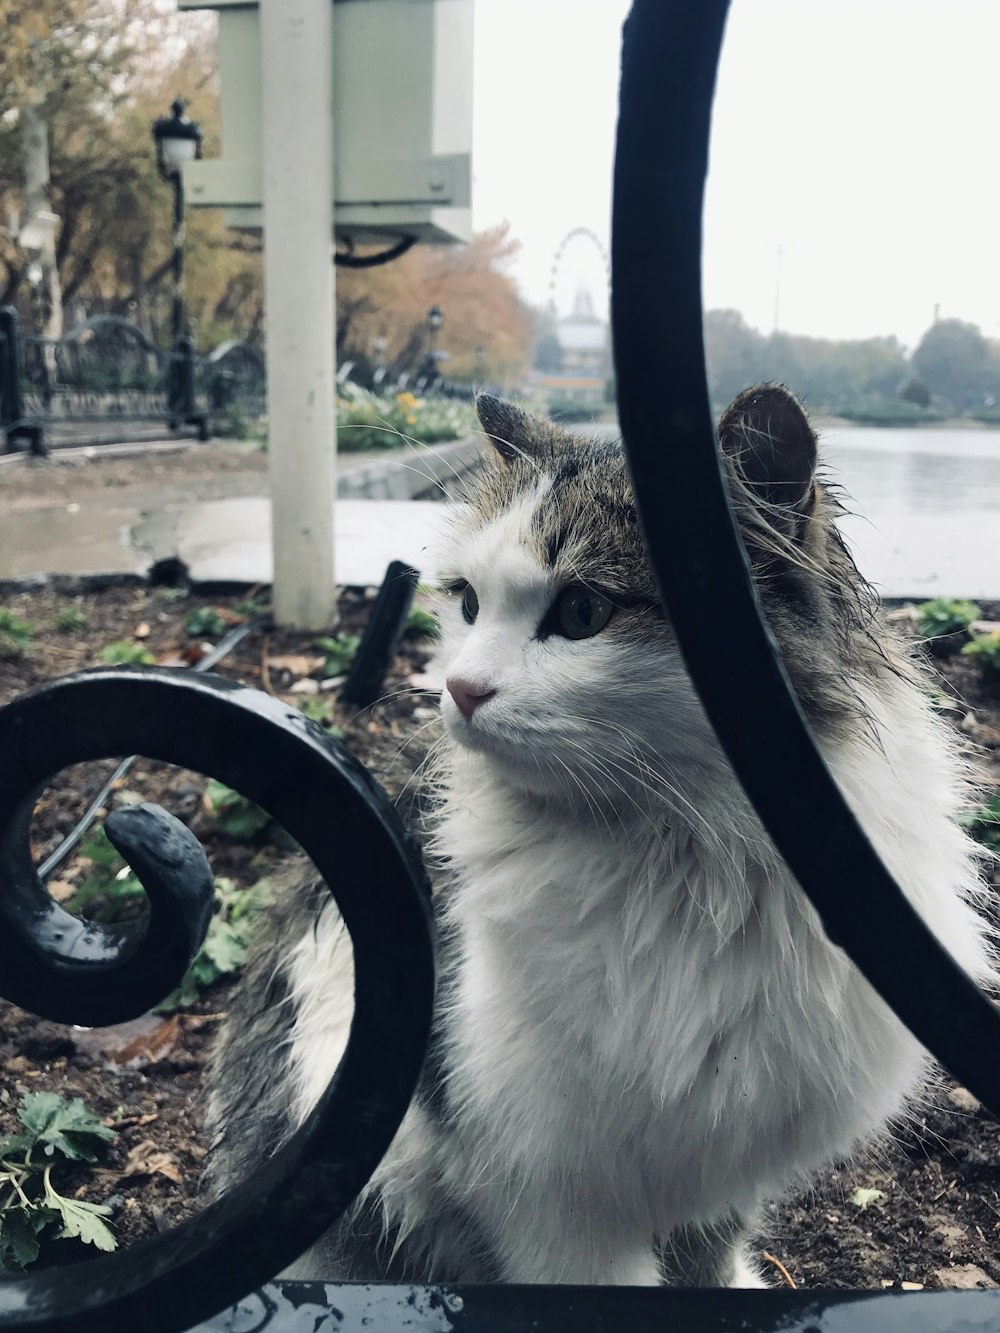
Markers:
470,604
580,613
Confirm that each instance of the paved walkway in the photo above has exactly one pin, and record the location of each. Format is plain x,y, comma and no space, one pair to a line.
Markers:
228,539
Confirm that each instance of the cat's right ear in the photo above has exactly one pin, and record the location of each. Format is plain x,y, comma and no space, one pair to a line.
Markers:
772,450
513,434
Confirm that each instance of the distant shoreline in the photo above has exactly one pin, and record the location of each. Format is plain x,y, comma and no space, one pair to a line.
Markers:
946,423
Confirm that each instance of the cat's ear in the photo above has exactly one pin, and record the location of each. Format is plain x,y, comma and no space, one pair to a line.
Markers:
771,447
513,433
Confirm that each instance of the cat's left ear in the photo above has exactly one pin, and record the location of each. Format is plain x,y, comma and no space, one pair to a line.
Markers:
772,448
512,432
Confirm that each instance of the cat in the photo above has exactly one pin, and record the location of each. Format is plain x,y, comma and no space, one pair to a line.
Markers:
642,1032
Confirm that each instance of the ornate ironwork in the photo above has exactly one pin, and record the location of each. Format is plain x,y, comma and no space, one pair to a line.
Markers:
105,378
699,560
291,768
330,804
234,375
318,1307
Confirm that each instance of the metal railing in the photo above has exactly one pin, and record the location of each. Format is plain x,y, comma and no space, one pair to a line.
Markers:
105,380
75,972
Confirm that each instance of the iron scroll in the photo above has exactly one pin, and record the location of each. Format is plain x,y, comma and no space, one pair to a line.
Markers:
329,803
669,61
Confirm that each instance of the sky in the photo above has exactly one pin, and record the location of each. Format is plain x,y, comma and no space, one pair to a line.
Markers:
855,168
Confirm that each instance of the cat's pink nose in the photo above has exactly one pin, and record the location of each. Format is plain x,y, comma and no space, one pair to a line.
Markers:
467,696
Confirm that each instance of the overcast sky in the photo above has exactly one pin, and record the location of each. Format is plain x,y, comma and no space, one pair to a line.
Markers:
855,141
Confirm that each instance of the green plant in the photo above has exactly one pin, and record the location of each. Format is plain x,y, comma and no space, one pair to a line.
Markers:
235,815
16,634
54,1129
71,619
339,652
225,949
110,891
317,709
253,606
122,653
204,623
944,615
368,421
985,652
421,623
984,823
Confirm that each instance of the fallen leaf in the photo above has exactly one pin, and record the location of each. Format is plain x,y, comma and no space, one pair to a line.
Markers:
141,631
147,1159
61,889
963,1277
148,1047
912,1286
864,1198
296,664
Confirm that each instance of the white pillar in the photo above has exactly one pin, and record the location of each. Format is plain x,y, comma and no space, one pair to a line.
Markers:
297,137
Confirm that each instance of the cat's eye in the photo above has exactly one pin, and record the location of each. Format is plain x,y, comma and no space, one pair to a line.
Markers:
470,604
580,613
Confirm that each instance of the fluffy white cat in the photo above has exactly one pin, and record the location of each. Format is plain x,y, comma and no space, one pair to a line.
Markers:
643,1031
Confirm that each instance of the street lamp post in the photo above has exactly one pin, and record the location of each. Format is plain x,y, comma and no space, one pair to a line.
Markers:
435,318
178,140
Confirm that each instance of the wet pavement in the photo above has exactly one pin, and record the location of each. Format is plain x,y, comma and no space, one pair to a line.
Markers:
227,538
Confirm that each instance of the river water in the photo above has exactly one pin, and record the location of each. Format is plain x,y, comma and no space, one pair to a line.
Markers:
924,507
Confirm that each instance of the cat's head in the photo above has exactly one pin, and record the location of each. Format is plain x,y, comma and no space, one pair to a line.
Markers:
561,667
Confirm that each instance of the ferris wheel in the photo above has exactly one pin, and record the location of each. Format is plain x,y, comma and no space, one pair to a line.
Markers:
576,234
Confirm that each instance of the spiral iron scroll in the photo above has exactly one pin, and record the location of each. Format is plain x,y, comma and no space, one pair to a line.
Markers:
669,61
58,967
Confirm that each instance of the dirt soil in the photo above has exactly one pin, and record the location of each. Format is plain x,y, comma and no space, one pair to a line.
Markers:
935,1223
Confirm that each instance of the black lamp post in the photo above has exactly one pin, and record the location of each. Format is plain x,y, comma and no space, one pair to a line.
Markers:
435,318
178,140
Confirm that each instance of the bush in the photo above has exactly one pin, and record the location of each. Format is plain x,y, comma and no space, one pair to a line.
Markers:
946,621
367,421
889,412
985,653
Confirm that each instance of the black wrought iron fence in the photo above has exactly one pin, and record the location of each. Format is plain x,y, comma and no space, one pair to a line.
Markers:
84,972
105,380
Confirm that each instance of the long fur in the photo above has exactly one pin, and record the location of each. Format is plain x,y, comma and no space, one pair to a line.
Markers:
643,1031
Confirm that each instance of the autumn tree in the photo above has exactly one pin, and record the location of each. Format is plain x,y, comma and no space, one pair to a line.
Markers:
486,330
101,71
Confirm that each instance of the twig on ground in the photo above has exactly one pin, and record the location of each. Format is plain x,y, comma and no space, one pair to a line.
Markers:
786,1277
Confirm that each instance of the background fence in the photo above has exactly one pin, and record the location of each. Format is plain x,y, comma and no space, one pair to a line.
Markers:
105,381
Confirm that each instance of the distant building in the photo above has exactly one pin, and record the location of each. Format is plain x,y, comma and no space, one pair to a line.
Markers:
584,353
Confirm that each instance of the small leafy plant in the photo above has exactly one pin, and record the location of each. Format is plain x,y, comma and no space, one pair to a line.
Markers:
225,949
317,709
944,615
339,652
110,891
16,635
122,653
204,623
70,620
984,651
233,814
33,1210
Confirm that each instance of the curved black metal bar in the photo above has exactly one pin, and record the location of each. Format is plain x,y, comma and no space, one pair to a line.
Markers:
701,567
75,971
330,804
